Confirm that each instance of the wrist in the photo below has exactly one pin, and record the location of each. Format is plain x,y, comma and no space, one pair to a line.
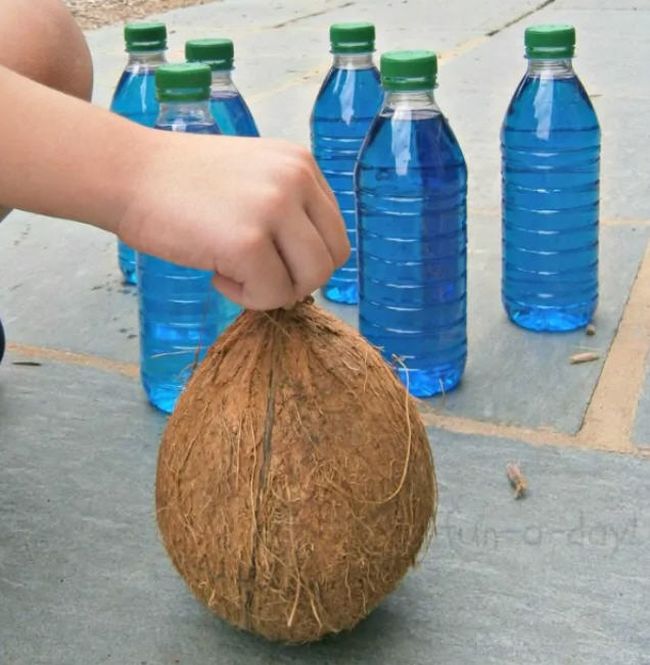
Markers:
131,158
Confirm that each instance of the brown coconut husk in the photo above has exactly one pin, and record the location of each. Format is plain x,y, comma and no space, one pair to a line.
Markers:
295,482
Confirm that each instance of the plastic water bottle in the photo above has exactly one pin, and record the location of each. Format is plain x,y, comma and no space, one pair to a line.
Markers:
411,184
550,145
135,98
348,101
181,314
228,106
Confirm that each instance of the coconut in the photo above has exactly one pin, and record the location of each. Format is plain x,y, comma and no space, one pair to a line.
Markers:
295,482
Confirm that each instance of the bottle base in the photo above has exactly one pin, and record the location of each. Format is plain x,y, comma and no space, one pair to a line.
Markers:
427,383
162,396
129,276
344,294
126,260
550,319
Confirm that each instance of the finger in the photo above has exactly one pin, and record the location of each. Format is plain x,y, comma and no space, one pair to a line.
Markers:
305,255
322,181
326,218
265,279
229,288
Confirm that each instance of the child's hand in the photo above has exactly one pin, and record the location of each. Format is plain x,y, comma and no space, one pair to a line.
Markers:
256,211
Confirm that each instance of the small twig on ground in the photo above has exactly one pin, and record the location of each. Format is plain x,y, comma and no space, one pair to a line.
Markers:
587,357
517,480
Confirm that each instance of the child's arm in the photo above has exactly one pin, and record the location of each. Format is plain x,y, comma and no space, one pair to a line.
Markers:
256,211
40,40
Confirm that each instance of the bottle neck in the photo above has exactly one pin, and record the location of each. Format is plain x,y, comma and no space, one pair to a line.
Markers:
550,68
353,61
222,81
410,100
185,112
147,58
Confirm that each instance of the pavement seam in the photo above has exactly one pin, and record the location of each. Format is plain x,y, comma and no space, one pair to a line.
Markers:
534,437
610,416
624,222
297,19
443,56
486,428
611,413
290,83
431,418
521,17
130,370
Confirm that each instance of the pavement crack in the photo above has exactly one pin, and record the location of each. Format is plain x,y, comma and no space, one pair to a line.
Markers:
311,15
521,17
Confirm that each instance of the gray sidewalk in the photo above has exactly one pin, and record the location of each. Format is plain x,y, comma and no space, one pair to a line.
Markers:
561,577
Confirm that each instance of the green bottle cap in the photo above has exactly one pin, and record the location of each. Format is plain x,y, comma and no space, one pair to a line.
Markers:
550,41
186,82
409,70
218,53
145,36
352,37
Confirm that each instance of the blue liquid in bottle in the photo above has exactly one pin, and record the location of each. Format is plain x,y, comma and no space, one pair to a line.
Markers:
229,108
550,144
348,101
135,99
226,102
411,184
181,314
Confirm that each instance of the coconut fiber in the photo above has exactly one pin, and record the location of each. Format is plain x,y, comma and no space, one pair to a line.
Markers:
295,482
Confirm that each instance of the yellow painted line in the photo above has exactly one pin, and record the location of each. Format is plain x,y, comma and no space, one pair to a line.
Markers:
130,370
305,77
611,414
321,70
625,222
430,417
456,51
609,418
469,426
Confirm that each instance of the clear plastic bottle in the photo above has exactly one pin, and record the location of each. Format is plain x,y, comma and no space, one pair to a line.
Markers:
550,145
228,106
411,184
135,98
348,101
181,314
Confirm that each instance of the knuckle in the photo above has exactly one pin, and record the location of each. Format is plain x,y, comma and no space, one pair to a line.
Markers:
273,201
304,155
299,174
299,163
250,243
